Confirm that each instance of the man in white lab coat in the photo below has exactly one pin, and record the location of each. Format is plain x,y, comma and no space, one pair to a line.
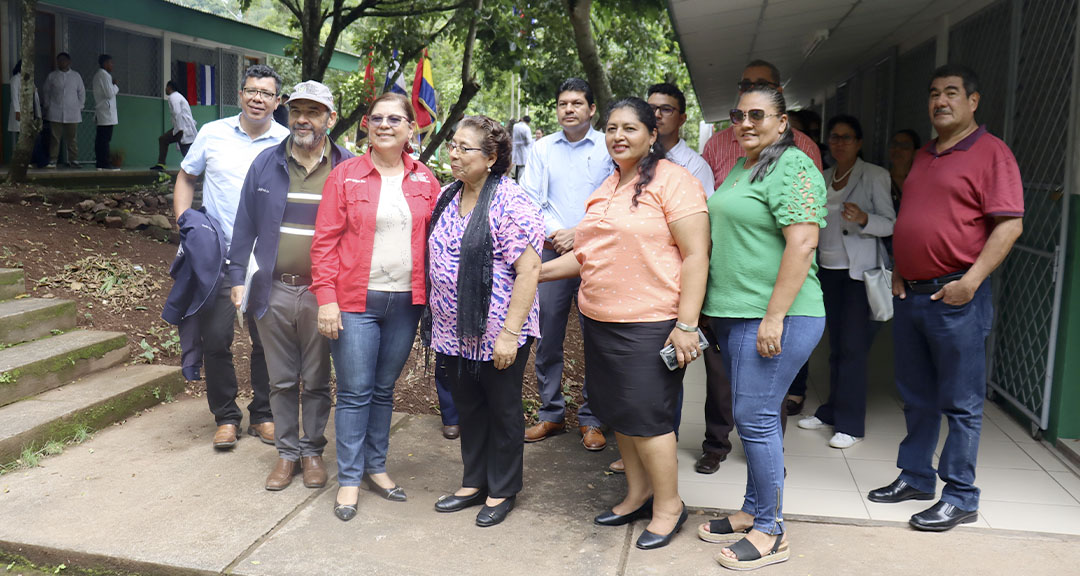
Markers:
183,130
105,91
64,99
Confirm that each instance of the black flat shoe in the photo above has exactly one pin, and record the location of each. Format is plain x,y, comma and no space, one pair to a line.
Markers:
941,517
451,503
395,494
898,491
792,407
492,515
650,541
709,462
345,512
610,518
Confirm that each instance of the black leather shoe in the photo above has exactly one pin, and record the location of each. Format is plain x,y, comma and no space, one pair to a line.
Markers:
792,407
650,541
941,517
451,503
610,518
345,512
492,515
898,491
709,462
395,494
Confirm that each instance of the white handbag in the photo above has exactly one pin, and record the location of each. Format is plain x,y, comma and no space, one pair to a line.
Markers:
878,282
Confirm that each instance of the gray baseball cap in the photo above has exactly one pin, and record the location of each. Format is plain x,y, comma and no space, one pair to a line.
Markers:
314,91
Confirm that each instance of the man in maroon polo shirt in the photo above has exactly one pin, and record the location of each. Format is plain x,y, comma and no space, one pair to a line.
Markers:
960,213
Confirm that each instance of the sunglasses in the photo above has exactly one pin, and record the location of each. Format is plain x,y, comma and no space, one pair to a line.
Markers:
746,85
393,120
756,115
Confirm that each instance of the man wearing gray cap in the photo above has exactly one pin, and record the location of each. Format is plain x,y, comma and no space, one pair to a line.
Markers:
276,221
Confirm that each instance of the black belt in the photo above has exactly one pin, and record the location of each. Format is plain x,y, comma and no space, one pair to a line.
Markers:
933,285
293,279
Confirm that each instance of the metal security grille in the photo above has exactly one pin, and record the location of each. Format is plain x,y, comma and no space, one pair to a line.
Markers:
877,121
913,71
230,78
1029,282
137,62
85,41
982,43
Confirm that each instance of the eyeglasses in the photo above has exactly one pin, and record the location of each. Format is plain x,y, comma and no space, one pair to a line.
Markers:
263,94
756,115
841,138
393,120
664,110
452,147
746,85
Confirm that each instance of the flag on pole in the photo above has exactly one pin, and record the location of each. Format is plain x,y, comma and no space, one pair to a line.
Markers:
423,94
368,94
391,85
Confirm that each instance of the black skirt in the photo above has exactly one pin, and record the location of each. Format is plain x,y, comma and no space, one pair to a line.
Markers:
630,388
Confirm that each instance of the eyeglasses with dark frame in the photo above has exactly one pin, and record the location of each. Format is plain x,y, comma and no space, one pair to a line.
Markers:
756,115
745,85
452,146
263,94
664,109
393,120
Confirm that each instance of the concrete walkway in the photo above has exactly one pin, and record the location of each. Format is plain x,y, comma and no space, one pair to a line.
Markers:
151,496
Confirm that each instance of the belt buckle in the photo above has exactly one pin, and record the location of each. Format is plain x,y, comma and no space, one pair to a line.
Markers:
289,279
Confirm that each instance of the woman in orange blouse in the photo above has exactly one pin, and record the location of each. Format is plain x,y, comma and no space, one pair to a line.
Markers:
642,252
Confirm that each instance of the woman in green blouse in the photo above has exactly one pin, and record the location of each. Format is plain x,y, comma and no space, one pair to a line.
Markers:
764,306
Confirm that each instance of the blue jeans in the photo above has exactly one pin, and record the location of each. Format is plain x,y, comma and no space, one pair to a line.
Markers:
758,387
368,357
941,369
555,299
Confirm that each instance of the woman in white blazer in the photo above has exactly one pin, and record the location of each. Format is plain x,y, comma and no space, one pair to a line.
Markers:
860,214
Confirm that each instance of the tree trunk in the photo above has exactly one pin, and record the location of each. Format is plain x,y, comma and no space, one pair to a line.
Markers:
28,124
469,88
580,12
310,51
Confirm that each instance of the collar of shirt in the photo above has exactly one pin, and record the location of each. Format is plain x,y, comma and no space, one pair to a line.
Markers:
678,152
593,136
234,122
324,155
366,166
961,146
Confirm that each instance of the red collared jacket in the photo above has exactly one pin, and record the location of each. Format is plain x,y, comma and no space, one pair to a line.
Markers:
345,230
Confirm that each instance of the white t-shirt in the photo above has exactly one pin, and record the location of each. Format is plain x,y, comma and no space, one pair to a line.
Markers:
831,253
391,257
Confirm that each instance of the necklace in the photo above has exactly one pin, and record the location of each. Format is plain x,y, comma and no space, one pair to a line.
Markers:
844,177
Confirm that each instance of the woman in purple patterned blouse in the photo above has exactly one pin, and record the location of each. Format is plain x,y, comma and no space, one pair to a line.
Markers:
484,261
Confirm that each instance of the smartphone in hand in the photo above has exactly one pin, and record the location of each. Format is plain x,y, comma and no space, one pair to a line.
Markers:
671,360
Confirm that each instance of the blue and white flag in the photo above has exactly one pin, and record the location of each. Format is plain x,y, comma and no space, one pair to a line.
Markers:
399,85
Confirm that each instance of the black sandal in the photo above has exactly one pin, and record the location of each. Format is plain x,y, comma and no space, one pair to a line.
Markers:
720,531
747,556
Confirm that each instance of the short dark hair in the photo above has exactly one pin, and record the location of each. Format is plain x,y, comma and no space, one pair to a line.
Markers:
101,60
526,119
765,64
915,138
668,89
847,119
494,140
971,80
576,85
171,84
63,55
259,71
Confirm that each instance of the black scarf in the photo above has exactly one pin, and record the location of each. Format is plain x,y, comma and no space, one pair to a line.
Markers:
474,270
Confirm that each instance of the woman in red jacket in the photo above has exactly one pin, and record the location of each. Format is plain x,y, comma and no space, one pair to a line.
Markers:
367,268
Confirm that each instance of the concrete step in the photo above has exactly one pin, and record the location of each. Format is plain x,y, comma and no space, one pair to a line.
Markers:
30,318
11,283
91,403
42,365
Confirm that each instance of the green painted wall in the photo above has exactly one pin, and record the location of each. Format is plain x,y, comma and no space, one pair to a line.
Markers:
173,18
1065,396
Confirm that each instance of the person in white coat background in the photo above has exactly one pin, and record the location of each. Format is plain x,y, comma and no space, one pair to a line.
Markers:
15,116
183,126
65,95
105,91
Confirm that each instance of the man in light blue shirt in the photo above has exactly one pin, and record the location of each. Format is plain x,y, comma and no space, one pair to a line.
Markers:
223,151
561,172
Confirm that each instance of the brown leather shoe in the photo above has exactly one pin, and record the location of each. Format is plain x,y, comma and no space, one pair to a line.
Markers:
617,467
592,438
225,438
314,471
281,476
263,431
451,432
542,430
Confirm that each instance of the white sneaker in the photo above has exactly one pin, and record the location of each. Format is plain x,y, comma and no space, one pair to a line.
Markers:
841,440
811,423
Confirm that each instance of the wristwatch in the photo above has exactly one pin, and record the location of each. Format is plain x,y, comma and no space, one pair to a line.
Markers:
685,327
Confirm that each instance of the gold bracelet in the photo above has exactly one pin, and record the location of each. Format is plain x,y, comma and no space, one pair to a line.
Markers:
518,334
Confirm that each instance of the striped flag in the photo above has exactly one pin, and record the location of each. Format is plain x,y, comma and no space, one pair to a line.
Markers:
198,82
207,85
423,94
399,84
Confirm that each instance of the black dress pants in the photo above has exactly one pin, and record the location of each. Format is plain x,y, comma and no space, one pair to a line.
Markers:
492,422
719,419
101,146
216,321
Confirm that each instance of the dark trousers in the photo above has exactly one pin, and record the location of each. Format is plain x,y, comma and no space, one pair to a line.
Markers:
101,146
941,370
719,420
165,140
446,401
216,321
492,422
851,333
